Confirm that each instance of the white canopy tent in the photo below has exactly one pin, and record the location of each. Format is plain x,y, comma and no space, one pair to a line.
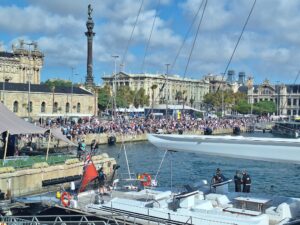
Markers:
15,125
12,124
129,110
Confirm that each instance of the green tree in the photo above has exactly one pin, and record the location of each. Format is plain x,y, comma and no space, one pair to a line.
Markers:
264,107
140,98
178,96
192,100
124,97
153,87
104,98
58,83
242,107
230,99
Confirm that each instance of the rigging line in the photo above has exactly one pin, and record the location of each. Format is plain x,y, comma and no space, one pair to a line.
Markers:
126,158
236,45
131,35
148,43
193,46
160,165
186,36
177,55
147,47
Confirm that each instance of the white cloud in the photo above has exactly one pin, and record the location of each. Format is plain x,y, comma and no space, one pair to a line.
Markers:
269,46
35,20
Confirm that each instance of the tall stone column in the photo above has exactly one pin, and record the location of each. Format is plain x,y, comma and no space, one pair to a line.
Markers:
89,81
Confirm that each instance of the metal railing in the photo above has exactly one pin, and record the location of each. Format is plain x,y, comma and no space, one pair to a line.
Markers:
52,220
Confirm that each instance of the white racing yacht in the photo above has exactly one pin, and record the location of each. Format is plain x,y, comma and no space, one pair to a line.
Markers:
267,149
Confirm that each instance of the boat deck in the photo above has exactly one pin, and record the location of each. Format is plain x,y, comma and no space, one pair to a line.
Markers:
108,212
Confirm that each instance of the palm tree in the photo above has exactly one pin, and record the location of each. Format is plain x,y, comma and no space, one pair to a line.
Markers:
178,96
184,98
192,100
153,87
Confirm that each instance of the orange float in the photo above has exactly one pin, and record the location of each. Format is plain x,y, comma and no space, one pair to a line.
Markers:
65,199
146,179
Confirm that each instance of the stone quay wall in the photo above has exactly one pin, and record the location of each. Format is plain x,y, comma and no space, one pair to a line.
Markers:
29,181
102,138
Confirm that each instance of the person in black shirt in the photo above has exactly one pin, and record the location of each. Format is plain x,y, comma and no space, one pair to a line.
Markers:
218,177
246,182
237,181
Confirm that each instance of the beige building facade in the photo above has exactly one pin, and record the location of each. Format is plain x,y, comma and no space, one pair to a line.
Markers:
285,96
23,93
44,102
22,65
167,87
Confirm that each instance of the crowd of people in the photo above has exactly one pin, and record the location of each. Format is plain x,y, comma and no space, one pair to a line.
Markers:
74,129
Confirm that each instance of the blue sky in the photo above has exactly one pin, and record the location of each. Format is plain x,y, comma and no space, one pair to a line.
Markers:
269,49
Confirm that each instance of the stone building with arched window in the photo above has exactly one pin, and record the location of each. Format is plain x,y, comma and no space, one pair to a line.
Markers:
22,92
45,102
285,96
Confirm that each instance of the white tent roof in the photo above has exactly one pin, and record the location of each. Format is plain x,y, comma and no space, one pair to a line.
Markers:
132,109
56,132
15,125
176,107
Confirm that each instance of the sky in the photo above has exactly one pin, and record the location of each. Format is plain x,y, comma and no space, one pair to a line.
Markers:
269,48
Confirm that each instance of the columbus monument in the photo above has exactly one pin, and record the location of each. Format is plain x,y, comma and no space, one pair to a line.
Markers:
89,81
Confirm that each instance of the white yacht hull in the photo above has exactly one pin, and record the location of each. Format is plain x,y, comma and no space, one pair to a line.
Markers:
268,149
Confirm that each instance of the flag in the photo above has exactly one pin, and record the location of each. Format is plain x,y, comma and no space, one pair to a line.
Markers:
89,173
87,160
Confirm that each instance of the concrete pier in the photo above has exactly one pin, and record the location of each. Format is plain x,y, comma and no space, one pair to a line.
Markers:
29,181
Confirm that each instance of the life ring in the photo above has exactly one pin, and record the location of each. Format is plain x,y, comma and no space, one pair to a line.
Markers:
146,179
65,199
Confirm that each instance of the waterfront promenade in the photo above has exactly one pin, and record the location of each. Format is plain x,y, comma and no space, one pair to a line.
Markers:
103,137
136,129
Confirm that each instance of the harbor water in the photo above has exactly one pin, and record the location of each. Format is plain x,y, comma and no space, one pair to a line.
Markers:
189,168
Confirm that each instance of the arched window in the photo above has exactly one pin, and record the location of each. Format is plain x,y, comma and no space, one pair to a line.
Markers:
78,107
67,107
55,106
16,106
43,107
30,106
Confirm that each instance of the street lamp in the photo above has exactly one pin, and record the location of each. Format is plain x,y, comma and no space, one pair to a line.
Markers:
72,73
114,86
29,75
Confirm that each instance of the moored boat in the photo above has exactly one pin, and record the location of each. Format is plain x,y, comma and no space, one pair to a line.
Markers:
287,129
